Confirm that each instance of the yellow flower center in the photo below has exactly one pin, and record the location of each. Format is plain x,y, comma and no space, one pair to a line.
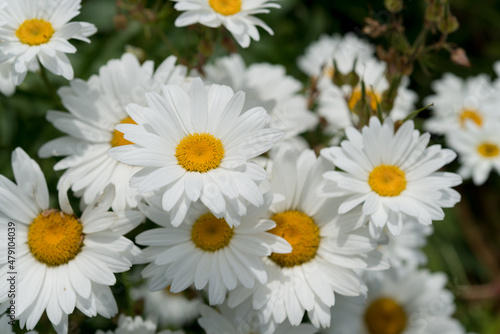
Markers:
55,238
199,152
301,233
387,180
210,233
470,114
371,98
488,150
385,316
226,7
35,32
118,139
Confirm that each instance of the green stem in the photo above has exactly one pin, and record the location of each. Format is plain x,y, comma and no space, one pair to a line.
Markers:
51,90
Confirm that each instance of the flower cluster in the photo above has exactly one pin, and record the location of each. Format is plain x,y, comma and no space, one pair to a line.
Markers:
239,209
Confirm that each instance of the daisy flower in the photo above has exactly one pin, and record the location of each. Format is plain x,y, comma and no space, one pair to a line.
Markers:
344,50
129,325
237,16
198,146
229,321
403,302
267,86
63,261
40,29
458,101
327,249
206,251
392,174
170,309
95,107
478,149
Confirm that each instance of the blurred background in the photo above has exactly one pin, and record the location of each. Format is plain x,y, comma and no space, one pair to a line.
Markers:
466,245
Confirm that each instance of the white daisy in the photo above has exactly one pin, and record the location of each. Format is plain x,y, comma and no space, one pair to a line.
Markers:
478,149
198,147
95,107
343,50
237,16
393,174
129,325
267,86
169,309
403,302
229,321
40,29
6,327
62,261
460,100
327,248
206,251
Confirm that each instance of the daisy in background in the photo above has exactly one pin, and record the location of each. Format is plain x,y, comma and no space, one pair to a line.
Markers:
393,175
344,50
406,248
267,86
198,146
206,251
346,54
328,249
95,107
458,101
169,309
478,149
129,325
403,302
247,322
40,29
237,16
63,261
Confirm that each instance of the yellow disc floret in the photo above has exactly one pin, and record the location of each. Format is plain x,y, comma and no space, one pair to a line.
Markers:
35,32
385,316
472,115
371,99
118,139
199,152
387,180
210,233
226,7
55,238
301,233
488,150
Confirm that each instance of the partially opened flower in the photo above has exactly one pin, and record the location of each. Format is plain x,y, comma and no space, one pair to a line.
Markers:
40,29
95,107
63,261
198,147
393,175
237,16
